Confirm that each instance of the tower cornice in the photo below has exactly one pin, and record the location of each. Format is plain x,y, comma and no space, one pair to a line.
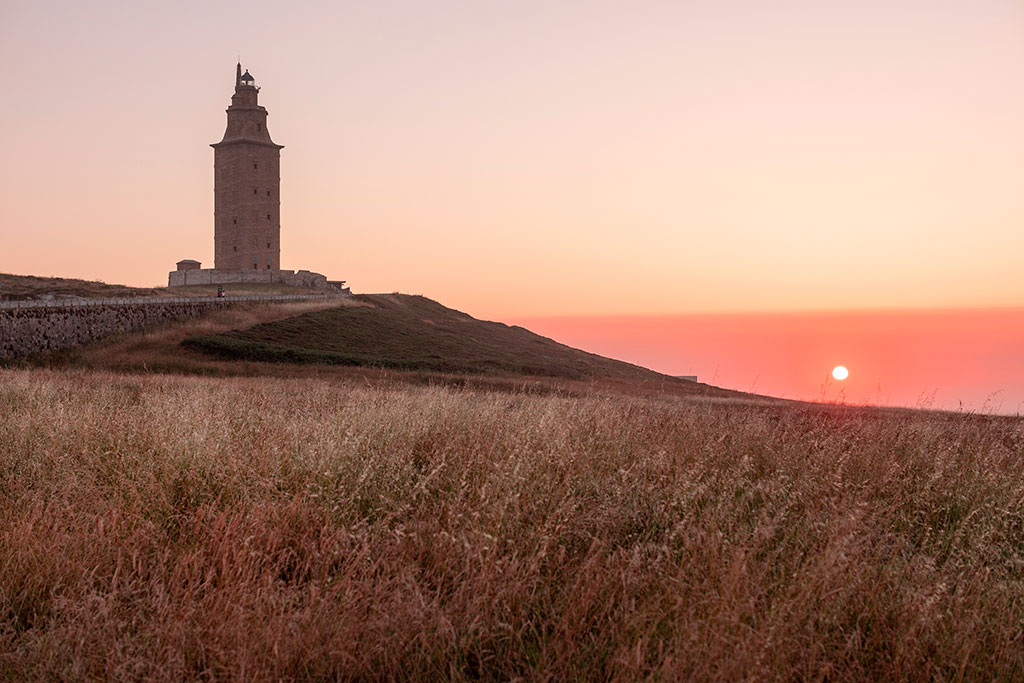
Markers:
245,141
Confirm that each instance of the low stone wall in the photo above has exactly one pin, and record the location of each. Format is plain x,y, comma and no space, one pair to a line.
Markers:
33,326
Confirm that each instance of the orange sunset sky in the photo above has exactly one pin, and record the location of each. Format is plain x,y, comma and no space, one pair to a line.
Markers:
755,180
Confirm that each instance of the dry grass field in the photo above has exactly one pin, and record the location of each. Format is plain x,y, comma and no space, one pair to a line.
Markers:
263,528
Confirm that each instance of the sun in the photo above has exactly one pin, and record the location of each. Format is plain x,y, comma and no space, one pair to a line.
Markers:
840,372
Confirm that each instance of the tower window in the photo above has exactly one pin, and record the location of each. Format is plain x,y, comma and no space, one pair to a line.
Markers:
254,190
234,221
268,216
268,266
259,127
268,245
235,247
254,166
268,193
254,266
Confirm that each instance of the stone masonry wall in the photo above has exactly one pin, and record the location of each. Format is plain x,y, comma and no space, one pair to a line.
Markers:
247,205
29,327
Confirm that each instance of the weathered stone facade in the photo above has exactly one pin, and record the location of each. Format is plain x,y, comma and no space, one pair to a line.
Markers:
247,186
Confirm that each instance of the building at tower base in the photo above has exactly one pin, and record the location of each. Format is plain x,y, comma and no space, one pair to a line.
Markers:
293,278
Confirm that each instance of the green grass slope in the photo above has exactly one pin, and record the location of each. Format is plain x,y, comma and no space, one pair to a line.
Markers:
412,333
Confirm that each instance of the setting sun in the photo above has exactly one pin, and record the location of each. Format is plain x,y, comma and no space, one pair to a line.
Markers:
840,372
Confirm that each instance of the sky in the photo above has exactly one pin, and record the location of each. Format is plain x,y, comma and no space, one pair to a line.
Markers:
960,360
547,161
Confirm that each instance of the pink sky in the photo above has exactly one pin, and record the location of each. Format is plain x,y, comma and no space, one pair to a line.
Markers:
970,360
525,159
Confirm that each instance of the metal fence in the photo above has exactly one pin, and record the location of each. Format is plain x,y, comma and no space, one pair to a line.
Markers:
76,303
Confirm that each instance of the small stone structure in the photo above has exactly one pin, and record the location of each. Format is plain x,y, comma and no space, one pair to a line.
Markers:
188,264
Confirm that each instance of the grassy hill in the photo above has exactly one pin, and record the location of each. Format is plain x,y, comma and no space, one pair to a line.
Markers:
412,333
392,339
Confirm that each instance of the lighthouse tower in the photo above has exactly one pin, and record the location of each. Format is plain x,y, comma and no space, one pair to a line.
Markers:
247,186
247,205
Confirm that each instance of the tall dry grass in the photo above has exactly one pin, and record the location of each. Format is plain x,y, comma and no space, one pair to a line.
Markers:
256,529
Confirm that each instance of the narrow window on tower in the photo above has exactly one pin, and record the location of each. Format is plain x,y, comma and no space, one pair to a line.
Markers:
254,266
259,127
234,221
236,247
268,216
268,266
254,166
268,193
254,190
268,245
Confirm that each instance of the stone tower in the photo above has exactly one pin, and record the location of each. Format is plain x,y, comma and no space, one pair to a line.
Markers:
247,186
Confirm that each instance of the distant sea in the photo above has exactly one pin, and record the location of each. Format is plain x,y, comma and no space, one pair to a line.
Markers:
970,360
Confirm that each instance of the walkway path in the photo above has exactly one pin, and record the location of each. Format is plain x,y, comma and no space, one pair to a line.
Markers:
68,303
